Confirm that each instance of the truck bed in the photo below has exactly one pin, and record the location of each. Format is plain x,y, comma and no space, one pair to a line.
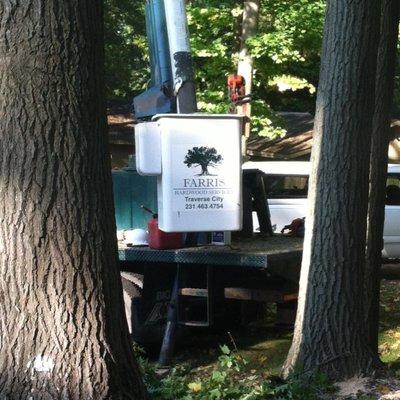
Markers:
278,255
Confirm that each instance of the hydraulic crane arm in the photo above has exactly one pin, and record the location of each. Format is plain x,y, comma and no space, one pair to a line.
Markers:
172,79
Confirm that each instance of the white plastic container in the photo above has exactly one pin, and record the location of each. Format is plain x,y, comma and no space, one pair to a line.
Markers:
148,149
200,186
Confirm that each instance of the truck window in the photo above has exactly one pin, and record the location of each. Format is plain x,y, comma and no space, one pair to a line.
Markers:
286,186
393,190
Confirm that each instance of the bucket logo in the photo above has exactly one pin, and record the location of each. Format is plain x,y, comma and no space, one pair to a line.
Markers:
203,157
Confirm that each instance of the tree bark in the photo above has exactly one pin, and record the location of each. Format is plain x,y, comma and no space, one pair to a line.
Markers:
384,88
251,13
330,333
63,333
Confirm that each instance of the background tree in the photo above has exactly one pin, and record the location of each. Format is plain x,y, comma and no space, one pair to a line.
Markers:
330,331
63,333
251,12
386,67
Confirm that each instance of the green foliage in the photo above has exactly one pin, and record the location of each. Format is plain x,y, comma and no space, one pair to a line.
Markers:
231,379
396,100
126,55
389,335
287,51
289,39
265,122
286,54
212,26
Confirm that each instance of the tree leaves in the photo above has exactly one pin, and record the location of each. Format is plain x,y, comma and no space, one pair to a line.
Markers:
126,53
288,44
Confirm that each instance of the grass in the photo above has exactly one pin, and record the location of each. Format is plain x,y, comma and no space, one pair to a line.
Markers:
262,345
389,336
264,349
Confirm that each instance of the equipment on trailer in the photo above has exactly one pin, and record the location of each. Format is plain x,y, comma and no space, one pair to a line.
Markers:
159,97
295,228
236,87
136,237
237,92
160,240
197,161
172,87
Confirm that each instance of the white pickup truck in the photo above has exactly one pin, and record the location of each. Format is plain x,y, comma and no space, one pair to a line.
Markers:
287,184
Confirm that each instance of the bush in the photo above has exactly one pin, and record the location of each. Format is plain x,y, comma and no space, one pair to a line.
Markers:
230,379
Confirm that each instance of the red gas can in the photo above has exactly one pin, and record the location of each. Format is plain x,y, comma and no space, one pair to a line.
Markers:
161,240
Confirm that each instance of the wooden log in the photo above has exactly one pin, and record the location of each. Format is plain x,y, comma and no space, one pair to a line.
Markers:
193,292
260,295
390,271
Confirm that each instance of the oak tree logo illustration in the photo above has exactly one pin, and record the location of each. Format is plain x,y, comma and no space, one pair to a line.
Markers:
203,157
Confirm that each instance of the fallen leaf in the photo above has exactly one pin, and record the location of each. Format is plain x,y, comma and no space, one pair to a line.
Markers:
195,387
382,389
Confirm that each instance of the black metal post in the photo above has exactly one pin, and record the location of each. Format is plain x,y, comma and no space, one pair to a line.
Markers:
167,347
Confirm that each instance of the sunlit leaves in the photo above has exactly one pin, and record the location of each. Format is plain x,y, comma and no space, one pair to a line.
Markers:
288,45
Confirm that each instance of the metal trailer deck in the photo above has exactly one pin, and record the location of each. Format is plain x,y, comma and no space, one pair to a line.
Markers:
181,285
261,254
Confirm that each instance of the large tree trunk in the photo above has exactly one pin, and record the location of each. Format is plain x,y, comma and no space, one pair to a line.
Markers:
386,67
63,333
330,333
250,17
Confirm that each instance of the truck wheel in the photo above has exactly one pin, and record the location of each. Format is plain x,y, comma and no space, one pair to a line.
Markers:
132,286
